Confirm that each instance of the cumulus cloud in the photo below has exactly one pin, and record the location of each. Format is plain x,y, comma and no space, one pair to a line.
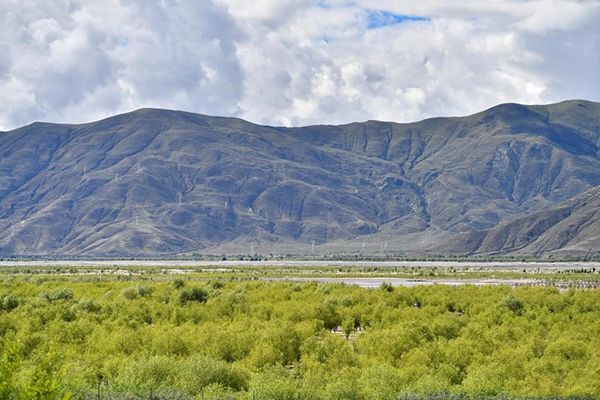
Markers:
292,62
79,61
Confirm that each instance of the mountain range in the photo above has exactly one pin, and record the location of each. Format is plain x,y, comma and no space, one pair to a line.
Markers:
511,180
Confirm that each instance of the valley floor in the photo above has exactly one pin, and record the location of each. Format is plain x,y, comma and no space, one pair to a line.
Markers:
240,330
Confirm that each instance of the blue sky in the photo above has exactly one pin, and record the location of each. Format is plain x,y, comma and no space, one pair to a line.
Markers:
382,18
292,62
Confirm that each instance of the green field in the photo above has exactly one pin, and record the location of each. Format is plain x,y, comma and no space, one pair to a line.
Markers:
148,334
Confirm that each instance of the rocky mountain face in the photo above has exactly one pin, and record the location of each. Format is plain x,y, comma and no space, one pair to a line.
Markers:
511,179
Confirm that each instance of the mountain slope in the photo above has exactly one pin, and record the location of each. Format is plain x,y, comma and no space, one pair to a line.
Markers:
571,228
159,182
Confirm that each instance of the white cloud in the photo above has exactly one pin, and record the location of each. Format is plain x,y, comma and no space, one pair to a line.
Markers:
79,61
292,62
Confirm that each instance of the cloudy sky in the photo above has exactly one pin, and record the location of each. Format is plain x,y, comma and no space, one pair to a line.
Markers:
292,62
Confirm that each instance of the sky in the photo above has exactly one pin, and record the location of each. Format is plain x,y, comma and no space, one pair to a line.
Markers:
292,62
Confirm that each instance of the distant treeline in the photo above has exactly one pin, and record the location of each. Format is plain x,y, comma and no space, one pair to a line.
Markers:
358,256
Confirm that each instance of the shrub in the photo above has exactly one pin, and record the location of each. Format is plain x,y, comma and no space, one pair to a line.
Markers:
144,291
216,284
88,305
9,302
199,372
386,287
130,293
514,304
193,294
68,315
59,294
178,283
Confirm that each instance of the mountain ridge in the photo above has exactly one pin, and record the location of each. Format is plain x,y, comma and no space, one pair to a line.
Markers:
582,102
162,182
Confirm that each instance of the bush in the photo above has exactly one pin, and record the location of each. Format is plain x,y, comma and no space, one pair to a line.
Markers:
178,283
9,302
90,306
386,287
514,304
199,372
275,383
144,291
130,293
59,294
68,315
216,284
193,294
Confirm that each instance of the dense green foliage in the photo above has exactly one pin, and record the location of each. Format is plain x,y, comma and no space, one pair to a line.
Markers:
274,340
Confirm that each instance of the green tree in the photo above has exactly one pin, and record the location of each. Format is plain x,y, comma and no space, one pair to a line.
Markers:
348,326
327,312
